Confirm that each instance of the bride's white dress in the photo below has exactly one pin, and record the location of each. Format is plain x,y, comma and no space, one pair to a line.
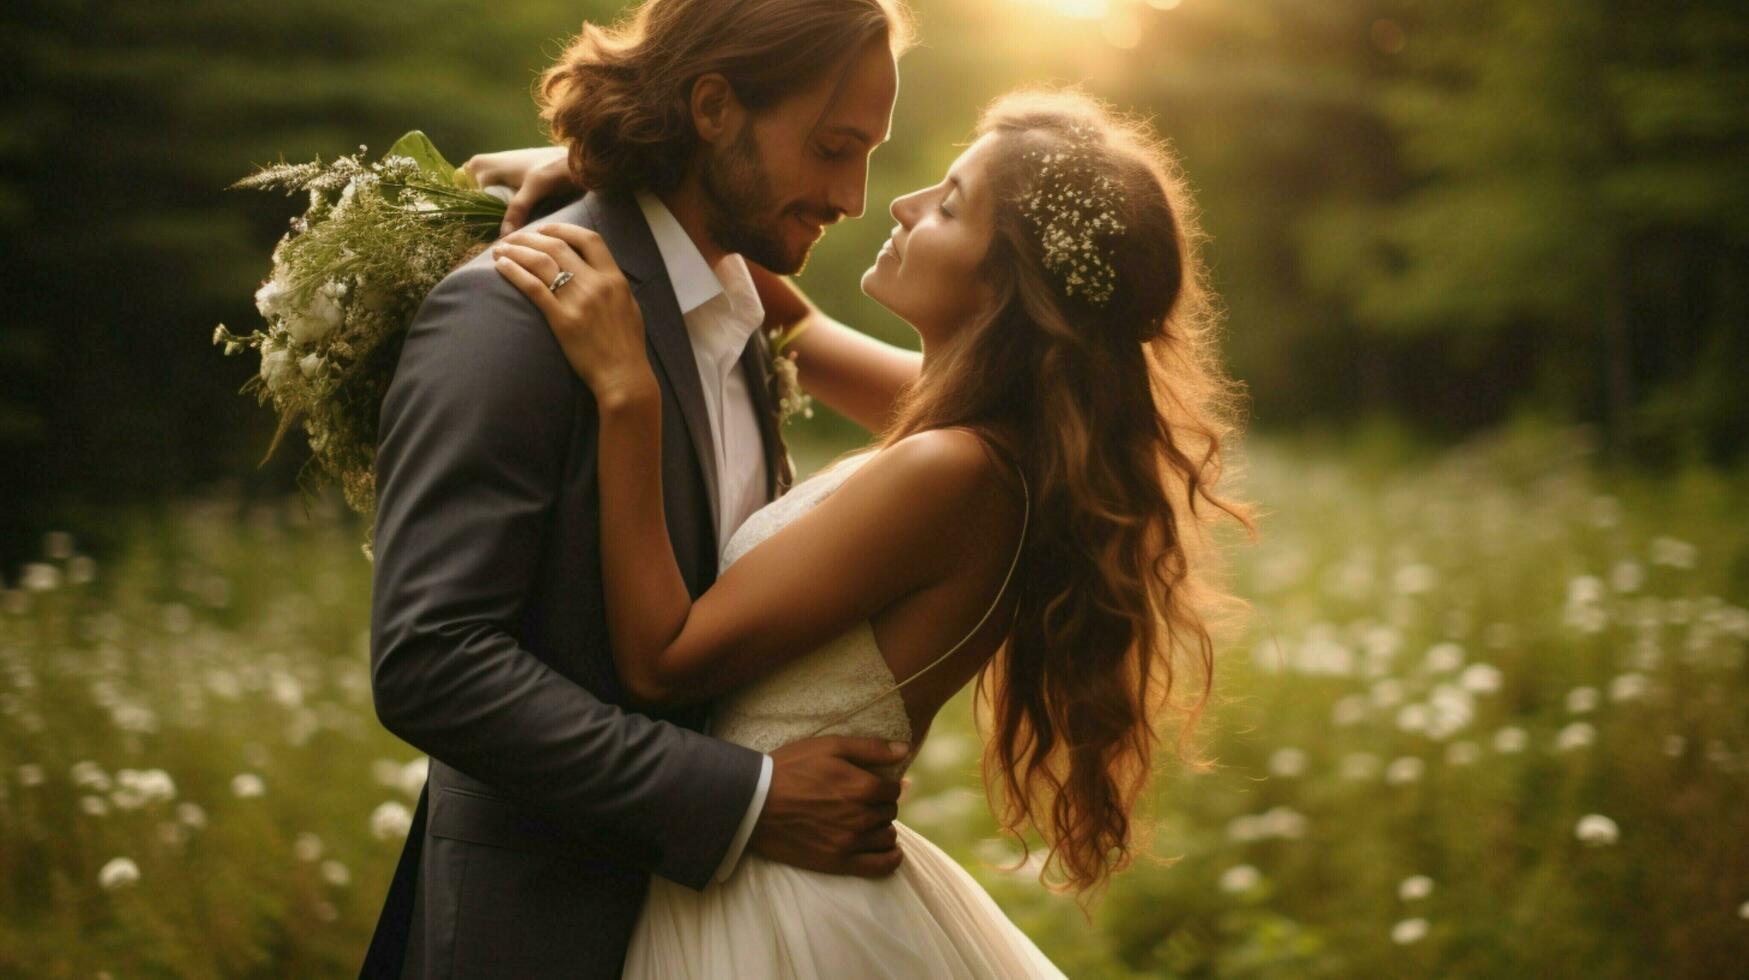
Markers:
769,920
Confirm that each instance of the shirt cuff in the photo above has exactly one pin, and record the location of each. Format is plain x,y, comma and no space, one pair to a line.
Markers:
754,808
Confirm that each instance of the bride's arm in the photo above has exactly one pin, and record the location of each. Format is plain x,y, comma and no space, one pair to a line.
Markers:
858,376
899,526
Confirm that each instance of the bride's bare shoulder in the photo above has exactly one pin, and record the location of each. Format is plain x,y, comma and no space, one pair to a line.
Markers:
945,470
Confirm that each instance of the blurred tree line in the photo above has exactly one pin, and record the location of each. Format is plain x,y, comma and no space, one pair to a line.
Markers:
1444,214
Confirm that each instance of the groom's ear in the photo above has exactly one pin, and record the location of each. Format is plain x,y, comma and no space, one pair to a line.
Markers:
716,112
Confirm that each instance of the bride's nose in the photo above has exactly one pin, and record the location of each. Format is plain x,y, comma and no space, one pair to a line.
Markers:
905,208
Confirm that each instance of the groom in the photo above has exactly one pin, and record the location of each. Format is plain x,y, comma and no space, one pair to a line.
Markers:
549,802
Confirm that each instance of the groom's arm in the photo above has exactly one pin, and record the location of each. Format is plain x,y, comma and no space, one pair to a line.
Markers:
473,435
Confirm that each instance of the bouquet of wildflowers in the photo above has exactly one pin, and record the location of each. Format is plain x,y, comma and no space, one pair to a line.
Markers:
345,283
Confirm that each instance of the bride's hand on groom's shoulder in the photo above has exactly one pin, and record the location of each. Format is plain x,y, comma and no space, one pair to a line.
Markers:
533,174
592,312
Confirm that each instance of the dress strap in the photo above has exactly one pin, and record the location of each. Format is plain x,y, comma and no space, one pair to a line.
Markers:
1025,516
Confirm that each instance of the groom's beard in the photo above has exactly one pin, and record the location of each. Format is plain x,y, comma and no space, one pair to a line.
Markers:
742,213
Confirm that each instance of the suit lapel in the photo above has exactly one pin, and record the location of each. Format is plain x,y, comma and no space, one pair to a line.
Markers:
619,221
756,368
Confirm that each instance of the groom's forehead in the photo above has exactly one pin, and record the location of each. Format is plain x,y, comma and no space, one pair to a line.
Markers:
856,102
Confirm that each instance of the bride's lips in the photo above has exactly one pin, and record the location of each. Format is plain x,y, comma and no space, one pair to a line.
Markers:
887,248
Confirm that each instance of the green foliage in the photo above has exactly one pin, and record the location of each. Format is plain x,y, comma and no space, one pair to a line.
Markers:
1452,663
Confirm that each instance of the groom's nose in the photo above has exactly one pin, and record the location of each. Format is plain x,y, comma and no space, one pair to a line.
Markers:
849,194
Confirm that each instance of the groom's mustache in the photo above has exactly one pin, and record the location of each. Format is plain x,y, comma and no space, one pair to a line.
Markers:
823,217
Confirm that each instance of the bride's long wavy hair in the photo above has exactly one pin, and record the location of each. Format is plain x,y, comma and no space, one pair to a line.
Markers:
1118,416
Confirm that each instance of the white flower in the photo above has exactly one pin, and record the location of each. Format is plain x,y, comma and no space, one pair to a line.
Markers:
1287,762
1350,710
1575,736
1509,740
1480,678
247,785
335,873
277,368
1245,828
1240,878
1415,579
1628,687
30,774
1387,692
1673,553
319,316
1581,700
152,785
412,775
1404,770
94,805
270,298
308,847
1415,887
1444,657
1584,589
191,815
309,364
1414,717
1283,822
1462,753
118,873
40,577
1409,931
1359,766
1597,830
390,820
1743,911
1627,576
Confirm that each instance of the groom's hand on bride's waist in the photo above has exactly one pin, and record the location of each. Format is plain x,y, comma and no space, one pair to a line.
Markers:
825,811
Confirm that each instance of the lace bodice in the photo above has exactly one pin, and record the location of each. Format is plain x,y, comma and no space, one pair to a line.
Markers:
812,694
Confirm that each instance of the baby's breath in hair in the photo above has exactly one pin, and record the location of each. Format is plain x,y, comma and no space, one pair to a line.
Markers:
1073,209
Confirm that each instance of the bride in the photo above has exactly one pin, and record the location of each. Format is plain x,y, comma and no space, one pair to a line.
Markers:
1030,516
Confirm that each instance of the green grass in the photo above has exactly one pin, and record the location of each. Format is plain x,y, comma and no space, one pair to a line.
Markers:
1412,613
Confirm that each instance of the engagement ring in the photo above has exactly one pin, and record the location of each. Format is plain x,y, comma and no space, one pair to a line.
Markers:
563,277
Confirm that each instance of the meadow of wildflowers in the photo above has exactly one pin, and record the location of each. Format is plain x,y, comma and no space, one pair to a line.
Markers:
1488,719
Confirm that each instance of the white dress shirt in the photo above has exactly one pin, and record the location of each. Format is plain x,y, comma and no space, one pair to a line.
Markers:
721,310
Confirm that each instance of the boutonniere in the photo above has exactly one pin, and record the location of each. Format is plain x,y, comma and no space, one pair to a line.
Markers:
786,386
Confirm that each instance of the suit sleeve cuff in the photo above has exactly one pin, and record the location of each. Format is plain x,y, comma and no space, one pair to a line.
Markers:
754,807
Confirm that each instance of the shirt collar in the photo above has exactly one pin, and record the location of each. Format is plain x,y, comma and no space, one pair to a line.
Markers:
696,283
693,281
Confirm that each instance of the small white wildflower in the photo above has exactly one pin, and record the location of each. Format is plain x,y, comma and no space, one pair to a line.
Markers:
40,577
1283,822
1480,678
390,820
1597,830
1463,753
1359,766
191,815
1673,553
30,774
96,806
1628,687
1288,762
412,775
1584,589
1350,710
1404,770
1627,576
1578,735
1415,579
1414,717
1244,829
247,785
1240,878
335,873
277,369
118,873
1409,931
1510,739
1581,700
307,847
1444,657
1415,888
310,364
1743,911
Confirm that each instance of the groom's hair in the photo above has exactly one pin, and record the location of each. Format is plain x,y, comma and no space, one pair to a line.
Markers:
619,97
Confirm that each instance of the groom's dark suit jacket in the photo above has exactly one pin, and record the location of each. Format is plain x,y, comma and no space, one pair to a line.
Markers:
547,804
